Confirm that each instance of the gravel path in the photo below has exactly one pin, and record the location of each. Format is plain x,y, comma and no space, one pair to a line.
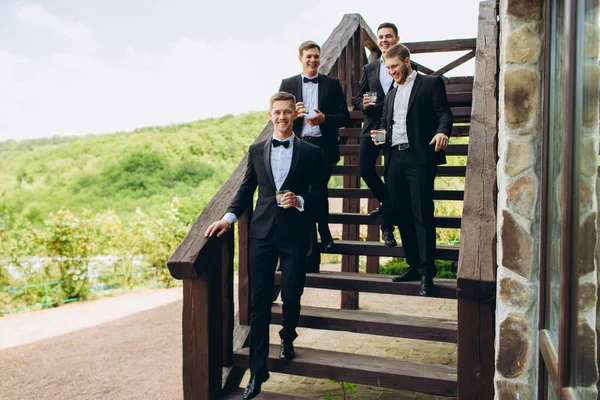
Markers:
129,347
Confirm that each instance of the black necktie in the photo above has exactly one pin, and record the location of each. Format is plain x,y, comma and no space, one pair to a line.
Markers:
313,80
277,143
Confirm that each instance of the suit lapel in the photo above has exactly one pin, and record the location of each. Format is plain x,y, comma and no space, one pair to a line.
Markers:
298,88
295,160
377,71
322,87
267,161
391,97
414,91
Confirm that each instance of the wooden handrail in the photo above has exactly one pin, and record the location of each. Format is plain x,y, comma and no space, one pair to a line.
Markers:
441,46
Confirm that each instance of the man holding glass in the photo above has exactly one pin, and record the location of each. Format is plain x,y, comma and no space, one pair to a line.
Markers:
417,122
289,175
322,110
374,86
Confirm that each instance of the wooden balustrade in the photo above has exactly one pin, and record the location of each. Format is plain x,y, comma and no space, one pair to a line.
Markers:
211,332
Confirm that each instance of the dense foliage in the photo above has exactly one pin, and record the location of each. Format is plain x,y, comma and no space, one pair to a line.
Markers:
124,171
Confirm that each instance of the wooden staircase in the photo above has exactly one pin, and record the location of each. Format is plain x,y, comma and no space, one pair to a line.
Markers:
215,340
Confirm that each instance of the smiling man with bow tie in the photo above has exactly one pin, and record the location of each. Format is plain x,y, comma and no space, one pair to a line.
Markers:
283,162
321,110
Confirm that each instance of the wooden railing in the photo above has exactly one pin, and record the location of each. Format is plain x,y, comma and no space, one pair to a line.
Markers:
211,332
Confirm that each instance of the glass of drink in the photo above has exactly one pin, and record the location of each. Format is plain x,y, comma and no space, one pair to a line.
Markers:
372,97
379,136
279,196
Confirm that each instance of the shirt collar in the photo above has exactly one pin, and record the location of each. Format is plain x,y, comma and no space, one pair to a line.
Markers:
409,79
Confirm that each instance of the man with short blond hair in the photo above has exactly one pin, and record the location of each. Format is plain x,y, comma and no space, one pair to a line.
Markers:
278,230
418,121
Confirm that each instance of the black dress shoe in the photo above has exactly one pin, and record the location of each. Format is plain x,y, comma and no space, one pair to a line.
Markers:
287,353
388,236
377,211
252,389
410,275
427,286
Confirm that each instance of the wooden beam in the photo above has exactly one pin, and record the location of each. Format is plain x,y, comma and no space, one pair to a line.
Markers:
441,46
455,63
477,261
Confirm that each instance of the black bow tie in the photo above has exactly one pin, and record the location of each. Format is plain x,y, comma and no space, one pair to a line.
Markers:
277,143
313,80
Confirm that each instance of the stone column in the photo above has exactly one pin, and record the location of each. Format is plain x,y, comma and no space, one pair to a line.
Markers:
519,170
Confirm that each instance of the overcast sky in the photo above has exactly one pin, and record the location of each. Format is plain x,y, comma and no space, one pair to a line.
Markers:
72,67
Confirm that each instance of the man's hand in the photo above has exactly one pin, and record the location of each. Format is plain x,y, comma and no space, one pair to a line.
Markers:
300,106
218,226
440,140
289,200
366,101
318,119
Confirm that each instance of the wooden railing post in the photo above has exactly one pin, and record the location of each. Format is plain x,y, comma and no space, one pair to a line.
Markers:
243,267
203,329
476,283
227,254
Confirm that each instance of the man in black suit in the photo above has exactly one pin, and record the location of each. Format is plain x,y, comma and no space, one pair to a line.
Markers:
418,121
321,110
283,162
375,78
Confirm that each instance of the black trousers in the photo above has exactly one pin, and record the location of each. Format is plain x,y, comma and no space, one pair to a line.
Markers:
321,217
369,152
411,188
264,254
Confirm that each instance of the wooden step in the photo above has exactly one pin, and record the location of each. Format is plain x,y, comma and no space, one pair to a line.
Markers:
461,114
368,194
457,131
441,171
451,150
373,283
360,248
237,395
366,219
361,369
383,324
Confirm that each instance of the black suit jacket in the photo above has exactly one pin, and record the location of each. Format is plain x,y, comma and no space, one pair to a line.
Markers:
428,114
305,179
331,102
370,83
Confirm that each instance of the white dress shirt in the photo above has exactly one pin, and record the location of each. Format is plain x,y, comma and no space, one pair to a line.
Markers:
310,98
385,78
281,161
399,132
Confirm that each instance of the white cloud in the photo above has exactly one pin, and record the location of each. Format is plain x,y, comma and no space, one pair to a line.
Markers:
71,94
35,15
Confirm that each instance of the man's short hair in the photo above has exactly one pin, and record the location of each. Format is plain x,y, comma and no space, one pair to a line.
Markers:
388,25
282,96
398,50
309,44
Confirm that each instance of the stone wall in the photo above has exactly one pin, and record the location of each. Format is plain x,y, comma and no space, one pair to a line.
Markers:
519,171
519,193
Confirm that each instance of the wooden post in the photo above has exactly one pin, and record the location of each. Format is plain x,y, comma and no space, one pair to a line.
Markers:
202,329
227,254
476,283
349,299
243,270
